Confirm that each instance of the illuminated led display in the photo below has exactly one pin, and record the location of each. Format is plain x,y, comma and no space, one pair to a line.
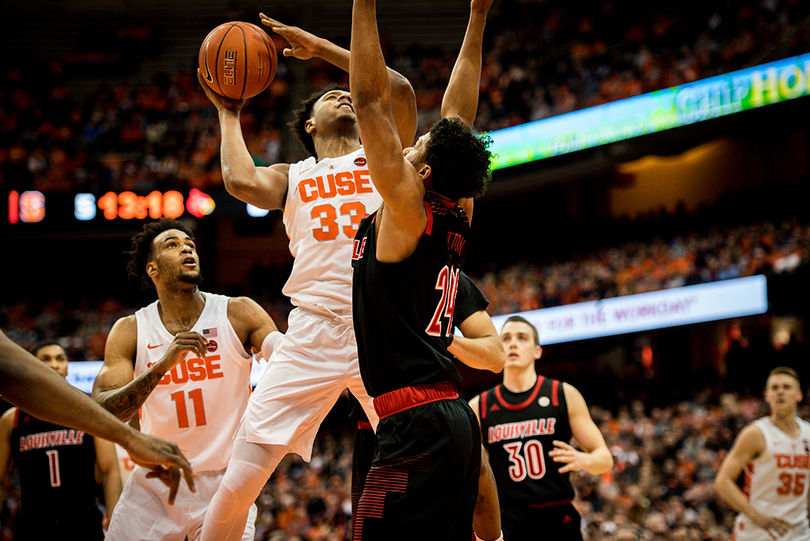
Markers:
682,105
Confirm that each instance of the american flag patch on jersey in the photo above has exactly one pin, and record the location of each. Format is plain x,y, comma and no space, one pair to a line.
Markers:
210,333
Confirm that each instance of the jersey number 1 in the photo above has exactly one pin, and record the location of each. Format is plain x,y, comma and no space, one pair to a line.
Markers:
179,399
447,283
53,466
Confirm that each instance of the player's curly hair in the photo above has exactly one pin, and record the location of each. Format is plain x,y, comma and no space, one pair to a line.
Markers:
459,159
141,252
304,113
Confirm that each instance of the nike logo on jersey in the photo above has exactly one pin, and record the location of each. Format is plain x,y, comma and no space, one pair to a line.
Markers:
150,346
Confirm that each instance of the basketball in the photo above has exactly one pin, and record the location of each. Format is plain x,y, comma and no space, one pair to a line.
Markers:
238,60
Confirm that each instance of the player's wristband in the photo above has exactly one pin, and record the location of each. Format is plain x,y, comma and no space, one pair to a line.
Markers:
499,538
450,339
269,343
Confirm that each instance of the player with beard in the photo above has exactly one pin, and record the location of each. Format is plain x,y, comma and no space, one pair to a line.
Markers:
184,361
406,260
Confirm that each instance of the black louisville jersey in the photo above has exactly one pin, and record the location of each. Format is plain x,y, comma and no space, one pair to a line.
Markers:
469,299
403,312
57,479
518,431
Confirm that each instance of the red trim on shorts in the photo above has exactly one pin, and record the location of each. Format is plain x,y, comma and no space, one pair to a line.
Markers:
516,407
551,504
555,399
429,225
363,425
416,395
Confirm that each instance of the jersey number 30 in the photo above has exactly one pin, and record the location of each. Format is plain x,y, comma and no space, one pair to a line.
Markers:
527,460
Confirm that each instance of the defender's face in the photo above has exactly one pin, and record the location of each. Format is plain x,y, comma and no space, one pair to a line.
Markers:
55,357
782,392
416,153
175,255
518,341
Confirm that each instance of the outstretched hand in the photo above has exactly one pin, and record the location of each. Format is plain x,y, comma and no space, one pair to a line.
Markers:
574,460
303,45
165,460
171,478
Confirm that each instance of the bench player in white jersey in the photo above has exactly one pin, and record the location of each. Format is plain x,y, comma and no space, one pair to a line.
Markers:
184,363
774,451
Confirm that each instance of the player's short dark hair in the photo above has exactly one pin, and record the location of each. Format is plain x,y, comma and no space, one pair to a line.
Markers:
521,319
304,113
459,159
786,370
43,344
141,252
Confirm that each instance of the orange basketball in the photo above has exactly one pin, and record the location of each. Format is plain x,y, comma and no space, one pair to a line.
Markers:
238,60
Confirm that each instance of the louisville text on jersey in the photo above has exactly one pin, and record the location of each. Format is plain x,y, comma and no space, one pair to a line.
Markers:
522,429
54,438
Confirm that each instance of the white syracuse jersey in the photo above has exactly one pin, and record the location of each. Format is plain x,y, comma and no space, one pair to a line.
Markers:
197,404
325,202
776,482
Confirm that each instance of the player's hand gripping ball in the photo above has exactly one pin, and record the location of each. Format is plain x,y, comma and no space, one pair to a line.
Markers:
238,60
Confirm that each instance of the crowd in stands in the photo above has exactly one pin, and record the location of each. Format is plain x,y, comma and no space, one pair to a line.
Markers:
687,258
562,56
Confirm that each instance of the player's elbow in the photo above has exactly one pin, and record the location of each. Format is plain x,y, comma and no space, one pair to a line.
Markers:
719,486
240,185
498,361
401,88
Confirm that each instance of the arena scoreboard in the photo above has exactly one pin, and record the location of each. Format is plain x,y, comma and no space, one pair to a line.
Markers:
32,206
